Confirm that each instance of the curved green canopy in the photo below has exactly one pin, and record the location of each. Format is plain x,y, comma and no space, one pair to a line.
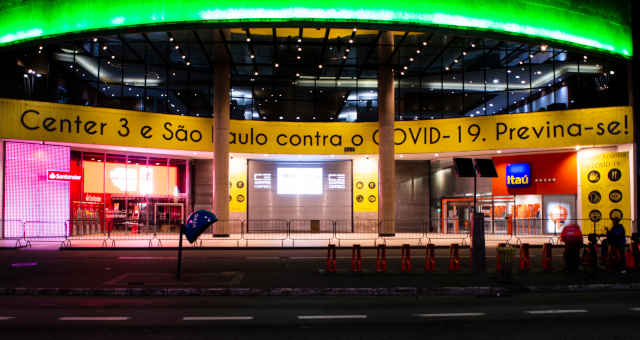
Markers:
594,24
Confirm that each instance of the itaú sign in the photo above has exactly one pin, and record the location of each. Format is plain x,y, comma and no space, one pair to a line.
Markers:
518,175
63,176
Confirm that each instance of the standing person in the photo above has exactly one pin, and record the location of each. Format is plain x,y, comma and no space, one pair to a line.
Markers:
617,240
572,237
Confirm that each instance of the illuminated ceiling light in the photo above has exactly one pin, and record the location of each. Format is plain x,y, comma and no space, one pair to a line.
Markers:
320,66
113,57
41,47
276,65
188,63
437,155
355,29
612,72
585,57
314,118
252,56
473,45
347,50
495,81
447,68
418,51
523,82
177,47
521,62
402,73
281,118
411,59
517,76
298,57
406,67
248,39
577,147
104,48
490,104
299,49
543,48
183,57
95,39
297,117
350,41
509,71
531,56
424,43
455,60
499,151
171,39
299,40
256,73
344,57
297,74
464,52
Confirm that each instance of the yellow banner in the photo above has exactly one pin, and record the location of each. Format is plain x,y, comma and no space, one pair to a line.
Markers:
604,179
81,124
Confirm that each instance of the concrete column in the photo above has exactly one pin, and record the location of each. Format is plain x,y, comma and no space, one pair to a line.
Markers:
386,152
221,114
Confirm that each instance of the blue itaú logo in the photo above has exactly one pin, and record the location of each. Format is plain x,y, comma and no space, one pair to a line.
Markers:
518,175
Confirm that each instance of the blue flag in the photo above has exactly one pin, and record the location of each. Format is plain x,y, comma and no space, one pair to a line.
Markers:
197,223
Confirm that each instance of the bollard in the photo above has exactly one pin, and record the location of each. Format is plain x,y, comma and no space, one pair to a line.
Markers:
356,259
331,259
630,261
525,258
498,259
381,258
406,258
430,258
547,259
454,258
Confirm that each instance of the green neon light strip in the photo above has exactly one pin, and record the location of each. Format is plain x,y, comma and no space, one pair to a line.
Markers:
604,26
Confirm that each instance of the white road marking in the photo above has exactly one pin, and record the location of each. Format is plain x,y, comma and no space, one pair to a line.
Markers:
556,311
5,318
635,309
262,257
329,317
94,318
146,257
216,318
448,315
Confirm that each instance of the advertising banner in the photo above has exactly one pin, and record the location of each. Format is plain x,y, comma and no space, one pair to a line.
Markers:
81,124
604,179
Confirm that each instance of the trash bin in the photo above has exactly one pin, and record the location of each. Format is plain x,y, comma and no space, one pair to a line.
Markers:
505,256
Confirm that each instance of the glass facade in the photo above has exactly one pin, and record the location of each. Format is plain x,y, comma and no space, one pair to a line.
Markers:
315,74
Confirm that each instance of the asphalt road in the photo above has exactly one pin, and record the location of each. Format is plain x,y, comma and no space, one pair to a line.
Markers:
251,268
540,316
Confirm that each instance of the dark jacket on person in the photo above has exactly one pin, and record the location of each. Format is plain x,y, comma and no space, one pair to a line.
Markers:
617,235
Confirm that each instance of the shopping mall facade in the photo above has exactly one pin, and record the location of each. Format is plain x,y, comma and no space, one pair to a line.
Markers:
119,118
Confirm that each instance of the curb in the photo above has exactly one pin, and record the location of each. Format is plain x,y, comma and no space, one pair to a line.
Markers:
302,292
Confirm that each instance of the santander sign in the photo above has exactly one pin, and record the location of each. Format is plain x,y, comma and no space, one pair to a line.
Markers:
63,176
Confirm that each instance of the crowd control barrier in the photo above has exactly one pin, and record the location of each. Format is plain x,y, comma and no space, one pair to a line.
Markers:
331,259
356,259
454,257
547,257
525,257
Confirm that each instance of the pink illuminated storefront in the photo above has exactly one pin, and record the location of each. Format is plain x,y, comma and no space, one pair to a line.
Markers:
55,191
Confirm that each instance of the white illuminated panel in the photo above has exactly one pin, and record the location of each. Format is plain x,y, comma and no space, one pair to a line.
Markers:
262,181
300,181
336,181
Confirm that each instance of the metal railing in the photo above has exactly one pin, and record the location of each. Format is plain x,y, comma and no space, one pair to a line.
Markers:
291,231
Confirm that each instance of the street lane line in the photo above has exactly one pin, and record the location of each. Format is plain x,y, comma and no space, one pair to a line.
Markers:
448,315
5,318
146,257
635,309
94,318
217,318
329,317
262,257
556,311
